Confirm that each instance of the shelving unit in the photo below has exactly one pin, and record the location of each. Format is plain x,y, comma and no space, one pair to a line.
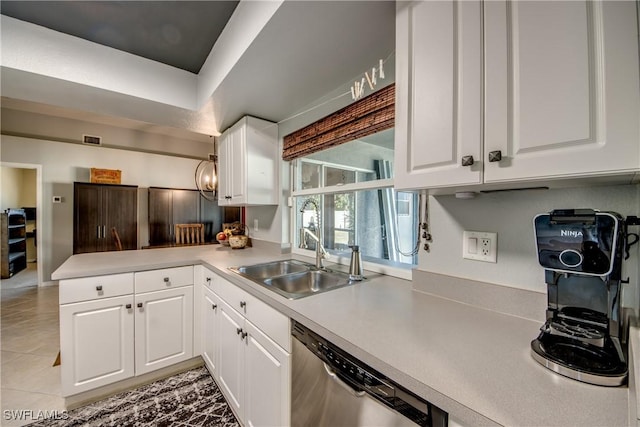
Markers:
13,242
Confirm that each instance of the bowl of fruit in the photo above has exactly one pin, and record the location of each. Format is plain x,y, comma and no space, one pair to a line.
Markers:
233,235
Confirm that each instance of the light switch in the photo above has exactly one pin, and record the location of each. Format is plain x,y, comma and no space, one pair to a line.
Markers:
472,245
480,246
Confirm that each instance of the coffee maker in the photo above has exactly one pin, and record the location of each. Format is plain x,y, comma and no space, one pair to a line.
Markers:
581,252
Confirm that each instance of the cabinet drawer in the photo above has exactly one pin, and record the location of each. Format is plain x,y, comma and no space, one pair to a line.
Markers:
269,320
165,278
210,279
95,287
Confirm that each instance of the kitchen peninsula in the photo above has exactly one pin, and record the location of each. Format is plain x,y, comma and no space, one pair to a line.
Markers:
473,363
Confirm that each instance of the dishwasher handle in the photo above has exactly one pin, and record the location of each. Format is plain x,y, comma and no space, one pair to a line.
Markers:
341,382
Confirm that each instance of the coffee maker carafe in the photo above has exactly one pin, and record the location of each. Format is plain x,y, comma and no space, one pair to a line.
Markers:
581,251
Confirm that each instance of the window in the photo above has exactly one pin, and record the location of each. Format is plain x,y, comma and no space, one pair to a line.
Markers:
351,185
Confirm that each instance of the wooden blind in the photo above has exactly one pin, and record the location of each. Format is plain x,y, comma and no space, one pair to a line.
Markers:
367,116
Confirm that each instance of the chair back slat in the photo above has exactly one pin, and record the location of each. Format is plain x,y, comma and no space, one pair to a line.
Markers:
189,234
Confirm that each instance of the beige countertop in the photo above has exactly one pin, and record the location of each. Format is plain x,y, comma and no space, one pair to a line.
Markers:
471,362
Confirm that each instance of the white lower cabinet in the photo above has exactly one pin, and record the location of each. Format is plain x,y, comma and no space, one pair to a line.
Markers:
249,343
96,343
210,307
231,362
268,380
164,328
109,331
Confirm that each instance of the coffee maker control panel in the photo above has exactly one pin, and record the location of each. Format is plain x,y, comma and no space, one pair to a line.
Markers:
579,241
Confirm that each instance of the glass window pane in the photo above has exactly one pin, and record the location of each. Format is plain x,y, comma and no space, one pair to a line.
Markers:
309,175
306,218
336,176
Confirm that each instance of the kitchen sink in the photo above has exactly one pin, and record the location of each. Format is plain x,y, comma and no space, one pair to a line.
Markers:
271,269
293,279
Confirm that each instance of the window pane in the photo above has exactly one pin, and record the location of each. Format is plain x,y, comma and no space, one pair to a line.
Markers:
335,176
306,218
309,175
338,213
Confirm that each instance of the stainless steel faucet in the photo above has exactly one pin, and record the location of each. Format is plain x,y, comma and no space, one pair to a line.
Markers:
321,253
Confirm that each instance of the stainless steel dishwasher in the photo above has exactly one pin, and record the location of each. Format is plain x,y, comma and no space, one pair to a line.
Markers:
332,388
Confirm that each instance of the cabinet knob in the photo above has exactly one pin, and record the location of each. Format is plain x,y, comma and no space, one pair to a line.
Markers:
495,156
227,197
166,280
243,335
127,306
467,160
243,304
208,279
238,331
99,288
214,306
139,305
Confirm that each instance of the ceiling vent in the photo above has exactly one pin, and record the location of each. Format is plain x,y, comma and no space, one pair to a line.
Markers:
91,140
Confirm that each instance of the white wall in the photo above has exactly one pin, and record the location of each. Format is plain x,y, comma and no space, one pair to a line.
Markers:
510,214
18,188
10,184
64,163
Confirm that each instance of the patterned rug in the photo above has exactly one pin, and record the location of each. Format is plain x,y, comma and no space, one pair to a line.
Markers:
188,399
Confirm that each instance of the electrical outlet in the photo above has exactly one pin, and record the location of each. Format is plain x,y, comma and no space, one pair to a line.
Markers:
480,246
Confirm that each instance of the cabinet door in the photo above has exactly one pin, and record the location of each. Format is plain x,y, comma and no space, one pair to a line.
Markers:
439,93
164,328
120,206
186,206
238,167
562,90
231,362
160,216
224,167
211,217
87,218
96,343
209,329
268,382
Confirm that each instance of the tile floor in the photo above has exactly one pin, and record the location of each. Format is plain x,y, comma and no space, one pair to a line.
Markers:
29,344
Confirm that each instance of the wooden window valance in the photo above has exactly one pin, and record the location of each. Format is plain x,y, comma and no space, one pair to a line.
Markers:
367,116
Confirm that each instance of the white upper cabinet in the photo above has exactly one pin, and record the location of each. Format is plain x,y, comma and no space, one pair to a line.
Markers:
438,93
560,95
248,162
562,89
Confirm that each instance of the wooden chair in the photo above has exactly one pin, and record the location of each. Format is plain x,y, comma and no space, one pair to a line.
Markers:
116,238
189,234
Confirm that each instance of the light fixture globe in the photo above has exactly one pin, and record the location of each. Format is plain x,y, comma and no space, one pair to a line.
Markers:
206,177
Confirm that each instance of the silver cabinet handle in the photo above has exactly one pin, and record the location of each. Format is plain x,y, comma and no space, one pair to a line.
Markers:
104,231
467,160
98,232
495,156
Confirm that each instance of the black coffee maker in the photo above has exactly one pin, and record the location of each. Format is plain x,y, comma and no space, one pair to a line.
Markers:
581,251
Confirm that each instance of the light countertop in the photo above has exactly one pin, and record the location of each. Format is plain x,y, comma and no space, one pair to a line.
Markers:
471,362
